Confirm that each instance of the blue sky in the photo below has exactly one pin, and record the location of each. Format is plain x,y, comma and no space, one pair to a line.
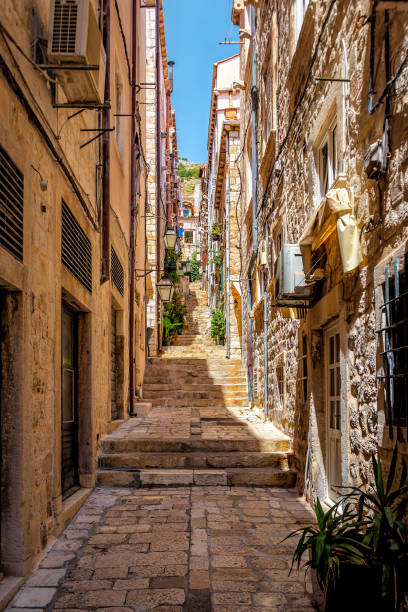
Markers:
193,30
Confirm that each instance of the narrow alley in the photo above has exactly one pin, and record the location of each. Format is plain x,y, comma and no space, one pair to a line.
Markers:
204,305
193,502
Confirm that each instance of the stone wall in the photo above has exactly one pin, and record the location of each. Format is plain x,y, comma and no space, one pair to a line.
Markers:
42,139
334,41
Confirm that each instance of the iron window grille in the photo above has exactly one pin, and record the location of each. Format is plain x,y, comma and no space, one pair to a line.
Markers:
76,249
11,206
394,336
117,272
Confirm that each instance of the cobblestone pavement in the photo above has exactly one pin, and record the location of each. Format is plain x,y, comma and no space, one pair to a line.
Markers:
176,549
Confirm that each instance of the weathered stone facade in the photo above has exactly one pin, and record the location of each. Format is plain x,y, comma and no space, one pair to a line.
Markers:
318,105
48,366
222,206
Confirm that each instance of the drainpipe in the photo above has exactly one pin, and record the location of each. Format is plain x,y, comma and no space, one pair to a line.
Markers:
372,53
265,352
158,172
132,218
254,147
227,246
106,151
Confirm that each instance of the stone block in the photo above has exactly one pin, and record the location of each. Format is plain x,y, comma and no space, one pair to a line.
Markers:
210,477
34,597
166,477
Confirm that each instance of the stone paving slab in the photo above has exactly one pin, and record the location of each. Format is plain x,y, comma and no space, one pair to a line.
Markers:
200,549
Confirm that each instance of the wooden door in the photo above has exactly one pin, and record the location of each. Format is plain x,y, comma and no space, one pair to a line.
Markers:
69,403
333,414
114,368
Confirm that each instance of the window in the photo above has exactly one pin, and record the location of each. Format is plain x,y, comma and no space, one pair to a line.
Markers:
280,376
189,236
302,364
118,111
327,160
394,335
333,414
299,10
11,206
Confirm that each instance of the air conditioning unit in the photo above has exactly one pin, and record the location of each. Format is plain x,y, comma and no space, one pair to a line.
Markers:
75,38
290,286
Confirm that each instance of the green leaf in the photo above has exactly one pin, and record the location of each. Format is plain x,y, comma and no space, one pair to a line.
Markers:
391,474
389,516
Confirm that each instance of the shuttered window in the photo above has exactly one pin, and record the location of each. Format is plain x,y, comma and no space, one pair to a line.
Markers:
117,272
11,206
76,249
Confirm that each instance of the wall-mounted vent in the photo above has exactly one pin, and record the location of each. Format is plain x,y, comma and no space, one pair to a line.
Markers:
64,27
76,249
117,271
11,206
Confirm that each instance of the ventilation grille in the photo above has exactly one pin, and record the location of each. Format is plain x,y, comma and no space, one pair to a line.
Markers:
64,26
76,249
117,271
11,206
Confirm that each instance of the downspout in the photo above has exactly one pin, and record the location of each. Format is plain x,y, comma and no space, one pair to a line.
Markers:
168,168
372,53
254,144
158,173
132,218
106,151
227,245
265,317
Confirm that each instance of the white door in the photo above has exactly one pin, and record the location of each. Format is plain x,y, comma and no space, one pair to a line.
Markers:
333,414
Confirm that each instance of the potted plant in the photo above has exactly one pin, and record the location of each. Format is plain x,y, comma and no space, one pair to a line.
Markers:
170,260
216,231
195,268
360,546
217,326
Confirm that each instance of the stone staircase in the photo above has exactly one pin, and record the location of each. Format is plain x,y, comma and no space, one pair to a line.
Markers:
199,431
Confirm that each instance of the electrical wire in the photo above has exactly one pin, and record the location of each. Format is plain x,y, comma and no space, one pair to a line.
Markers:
43,73
60,157
124,44
299,102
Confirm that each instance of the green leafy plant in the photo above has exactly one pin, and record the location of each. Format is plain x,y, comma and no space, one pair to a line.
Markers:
370,532
383,511
195,268
216,231
216,257
217,325
173,319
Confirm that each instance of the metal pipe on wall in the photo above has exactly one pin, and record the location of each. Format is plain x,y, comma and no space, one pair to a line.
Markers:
265,322
254,141
133,153
158,172
105,272
227,245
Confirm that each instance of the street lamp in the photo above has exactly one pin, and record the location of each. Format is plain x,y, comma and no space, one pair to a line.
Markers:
165,288
170,238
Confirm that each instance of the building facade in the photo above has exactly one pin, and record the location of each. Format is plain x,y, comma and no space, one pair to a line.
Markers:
162,159
223,212
324,212
73,177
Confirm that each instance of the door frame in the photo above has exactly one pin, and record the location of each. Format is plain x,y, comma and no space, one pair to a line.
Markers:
332,330
65,306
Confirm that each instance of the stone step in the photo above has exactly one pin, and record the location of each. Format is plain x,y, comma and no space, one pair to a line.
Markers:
198,386
195,460
194,444
184,393
196,402
192,379
145,478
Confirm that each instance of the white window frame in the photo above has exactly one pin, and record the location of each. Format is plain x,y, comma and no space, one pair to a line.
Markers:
299,10
328,147
333,383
